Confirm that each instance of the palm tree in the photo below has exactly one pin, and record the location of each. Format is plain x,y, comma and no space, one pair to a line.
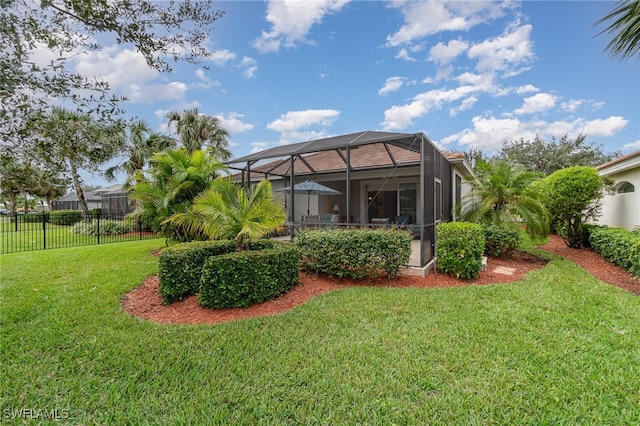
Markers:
505,195
625,27
228,210
141,144
174,178
199,130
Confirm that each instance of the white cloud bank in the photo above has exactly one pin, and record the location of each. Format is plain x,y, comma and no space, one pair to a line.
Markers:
291,21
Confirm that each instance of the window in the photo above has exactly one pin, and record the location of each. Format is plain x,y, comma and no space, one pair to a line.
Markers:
626,187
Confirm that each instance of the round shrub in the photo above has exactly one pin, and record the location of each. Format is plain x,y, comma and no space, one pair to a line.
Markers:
500,241
459,249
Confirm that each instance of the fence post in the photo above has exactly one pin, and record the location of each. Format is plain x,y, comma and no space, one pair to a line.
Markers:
44,231
98,219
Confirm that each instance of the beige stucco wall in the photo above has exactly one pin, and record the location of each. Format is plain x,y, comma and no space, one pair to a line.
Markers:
623,210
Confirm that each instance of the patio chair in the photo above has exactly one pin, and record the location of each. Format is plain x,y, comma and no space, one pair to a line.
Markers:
311,220
330,219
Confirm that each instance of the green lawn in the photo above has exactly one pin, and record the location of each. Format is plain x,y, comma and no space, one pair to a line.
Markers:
558,348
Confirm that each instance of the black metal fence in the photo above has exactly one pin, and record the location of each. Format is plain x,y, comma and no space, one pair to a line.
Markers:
49,230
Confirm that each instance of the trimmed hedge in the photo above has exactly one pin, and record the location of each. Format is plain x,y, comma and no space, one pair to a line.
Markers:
239,279
355,253
34,217
180,266
617,245
65,217
500,241
104,227
459,249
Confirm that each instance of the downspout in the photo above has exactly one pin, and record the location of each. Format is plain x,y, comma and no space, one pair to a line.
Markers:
348,191
421,197
292,209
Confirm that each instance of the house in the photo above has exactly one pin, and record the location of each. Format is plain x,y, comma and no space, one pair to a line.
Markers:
622,208
112,200
382,178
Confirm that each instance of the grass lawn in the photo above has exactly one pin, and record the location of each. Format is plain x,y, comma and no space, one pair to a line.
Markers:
558,348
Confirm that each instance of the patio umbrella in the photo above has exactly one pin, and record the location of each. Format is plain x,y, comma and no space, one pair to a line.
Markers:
310,187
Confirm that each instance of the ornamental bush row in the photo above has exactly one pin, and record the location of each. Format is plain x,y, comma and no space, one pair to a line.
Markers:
618,245
180,267
460,246
355,253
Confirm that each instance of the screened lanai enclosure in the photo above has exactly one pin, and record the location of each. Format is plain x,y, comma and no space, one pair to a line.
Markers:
380,179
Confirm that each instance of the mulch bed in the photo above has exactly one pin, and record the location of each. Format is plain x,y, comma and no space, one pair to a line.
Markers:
146,302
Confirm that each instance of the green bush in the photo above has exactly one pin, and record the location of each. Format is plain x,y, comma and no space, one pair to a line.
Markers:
102,227
459,249
617,245
35,217
355,253
65,217
238,279
500,241
180,266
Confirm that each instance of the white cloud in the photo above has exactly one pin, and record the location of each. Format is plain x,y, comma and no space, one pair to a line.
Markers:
527,88
250,67
291,21
391,85
466,104
488,133
424,18
405,56
572,105
222,57
233,123
204,81
259,146
604,127
536,103
511,49
631,147
128,75
399,117
445,53
289,125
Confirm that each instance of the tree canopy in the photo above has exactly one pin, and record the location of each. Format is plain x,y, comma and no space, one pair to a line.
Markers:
548,156
199,131
163,32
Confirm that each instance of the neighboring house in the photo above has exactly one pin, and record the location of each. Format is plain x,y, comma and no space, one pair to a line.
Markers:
111,200
382,177
622,208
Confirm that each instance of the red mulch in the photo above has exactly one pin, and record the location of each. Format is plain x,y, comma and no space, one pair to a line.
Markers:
146,302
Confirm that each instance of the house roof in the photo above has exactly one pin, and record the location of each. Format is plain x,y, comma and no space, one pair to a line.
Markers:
94,195
331,143
620,164
367,150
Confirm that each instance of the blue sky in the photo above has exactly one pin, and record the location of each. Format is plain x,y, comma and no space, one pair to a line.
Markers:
467,74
